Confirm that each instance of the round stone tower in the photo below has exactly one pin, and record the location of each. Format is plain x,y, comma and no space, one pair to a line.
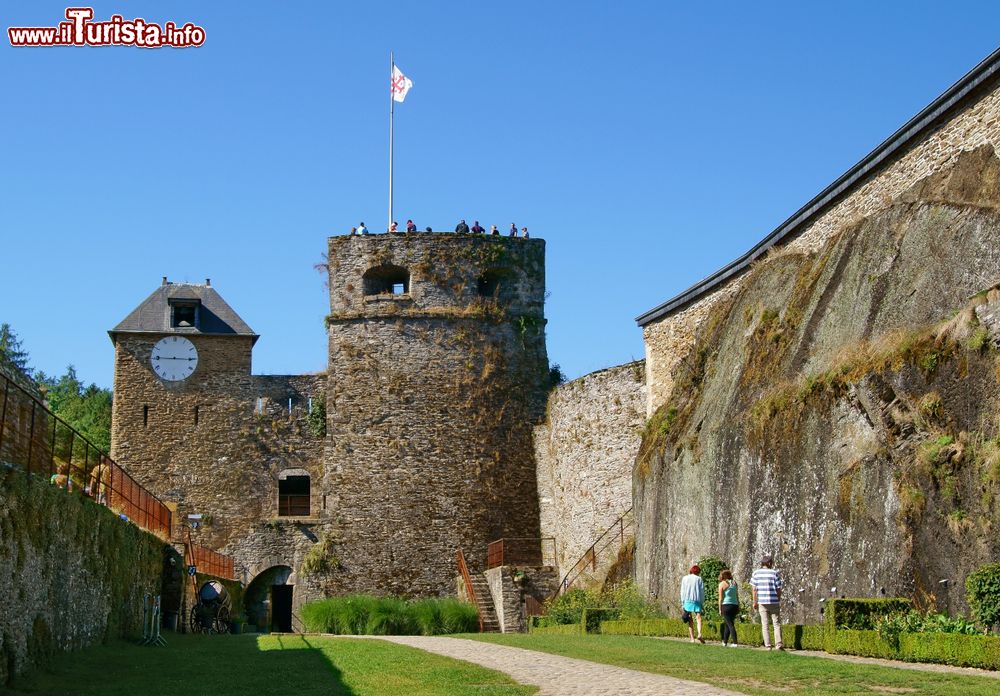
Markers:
437,373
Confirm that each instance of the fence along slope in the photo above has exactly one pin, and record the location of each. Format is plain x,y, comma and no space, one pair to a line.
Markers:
37,441
612,535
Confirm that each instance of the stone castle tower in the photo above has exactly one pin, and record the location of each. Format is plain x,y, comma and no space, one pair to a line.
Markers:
437,372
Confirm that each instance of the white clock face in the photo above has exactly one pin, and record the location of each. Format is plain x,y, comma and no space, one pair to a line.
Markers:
174,358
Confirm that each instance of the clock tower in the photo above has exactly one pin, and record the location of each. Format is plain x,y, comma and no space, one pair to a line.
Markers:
182,364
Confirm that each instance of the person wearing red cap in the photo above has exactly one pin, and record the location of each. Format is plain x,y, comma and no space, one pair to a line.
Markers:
692,600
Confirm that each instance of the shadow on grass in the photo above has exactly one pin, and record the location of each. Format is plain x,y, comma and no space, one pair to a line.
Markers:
244,665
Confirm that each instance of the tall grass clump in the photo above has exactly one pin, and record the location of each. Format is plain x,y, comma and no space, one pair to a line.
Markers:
458,617
389,616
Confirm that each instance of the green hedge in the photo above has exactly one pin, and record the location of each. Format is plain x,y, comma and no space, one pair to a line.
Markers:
944,648
848,641
793,635
951,649
861,614
592,617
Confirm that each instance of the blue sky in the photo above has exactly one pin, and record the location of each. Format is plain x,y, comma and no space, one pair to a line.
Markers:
648,143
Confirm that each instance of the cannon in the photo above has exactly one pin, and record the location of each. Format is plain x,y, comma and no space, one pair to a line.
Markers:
212,609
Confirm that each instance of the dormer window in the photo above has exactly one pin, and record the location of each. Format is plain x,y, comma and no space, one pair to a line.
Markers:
184,314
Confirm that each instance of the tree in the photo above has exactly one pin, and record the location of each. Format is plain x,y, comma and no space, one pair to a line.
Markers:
12,355
85,408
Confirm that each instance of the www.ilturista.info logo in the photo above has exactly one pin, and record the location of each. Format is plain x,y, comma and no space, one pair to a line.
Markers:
117,31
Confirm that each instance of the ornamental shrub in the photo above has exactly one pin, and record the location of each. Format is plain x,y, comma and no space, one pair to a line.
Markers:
862,614
711,566
623,600
891,626
982,592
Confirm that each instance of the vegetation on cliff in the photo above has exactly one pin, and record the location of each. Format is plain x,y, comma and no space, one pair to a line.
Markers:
837,390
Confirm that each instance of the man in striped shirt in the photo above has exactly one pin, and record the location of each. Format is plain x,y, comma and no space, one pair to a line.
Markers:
766,584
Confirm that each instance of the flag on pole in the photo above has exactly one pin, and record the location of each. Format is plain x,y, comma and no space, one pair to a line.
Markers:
400,84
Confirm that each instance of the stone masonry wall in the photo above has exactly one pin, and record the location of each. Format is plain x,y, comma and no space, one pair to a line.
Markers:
226,465
433,394
585,451
669,339
73,574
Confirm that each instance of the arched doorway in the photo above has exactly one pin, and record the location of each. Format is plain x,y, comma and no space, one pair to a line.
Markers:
268,599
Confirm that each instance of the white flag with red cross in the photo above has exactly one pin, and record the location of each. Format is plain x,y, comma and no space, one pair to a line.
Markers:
400,84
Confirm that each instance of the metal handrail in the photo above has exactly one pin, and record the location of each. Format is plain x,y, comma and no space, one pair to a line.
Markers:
71,461
463,570
604,541
528,551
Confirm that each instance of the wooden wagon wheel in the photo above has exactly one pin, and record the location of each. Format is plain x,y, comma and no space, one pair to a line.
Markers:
221,623
194,621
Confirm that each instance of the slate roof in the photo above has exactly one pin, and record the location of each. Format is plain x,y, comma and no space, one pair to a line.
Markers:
215,317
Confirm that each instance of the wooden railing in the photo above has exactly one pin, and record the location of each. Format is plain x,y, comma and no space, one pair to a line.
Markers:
212,562
293,505
463,570
612,535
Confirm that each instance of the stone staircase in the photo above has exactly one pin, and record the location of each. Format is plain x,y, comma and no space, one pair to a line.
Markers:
484,600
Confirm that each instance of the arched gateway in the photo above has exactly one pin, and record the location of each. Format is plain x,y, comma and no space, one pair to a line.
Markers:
268,599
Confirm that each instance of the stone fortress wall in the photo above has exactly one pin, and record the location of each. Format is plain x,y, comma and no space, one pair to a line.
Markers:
777,428
433,387
584,453
670,338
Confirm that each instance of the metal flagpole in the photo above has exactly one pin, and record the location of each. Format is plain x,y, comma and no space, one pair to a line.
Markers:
392,64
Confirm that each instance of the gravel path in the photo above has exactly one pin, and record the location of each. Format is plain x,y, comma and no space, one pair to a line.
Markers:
557,675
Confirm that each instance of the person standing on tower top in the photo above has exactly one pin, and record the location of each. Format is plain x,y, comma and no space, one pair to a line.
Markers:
462,228
513,230
362,229
494,230
411,226
394,227
477,228
524,232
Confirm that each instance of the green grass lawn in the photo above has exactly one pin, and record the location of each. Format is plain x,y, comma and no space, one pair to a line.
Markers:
751,671
253,666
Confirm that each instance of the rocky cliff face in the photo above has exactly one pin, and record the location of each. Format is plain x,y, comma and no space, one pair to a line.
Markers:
840,411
